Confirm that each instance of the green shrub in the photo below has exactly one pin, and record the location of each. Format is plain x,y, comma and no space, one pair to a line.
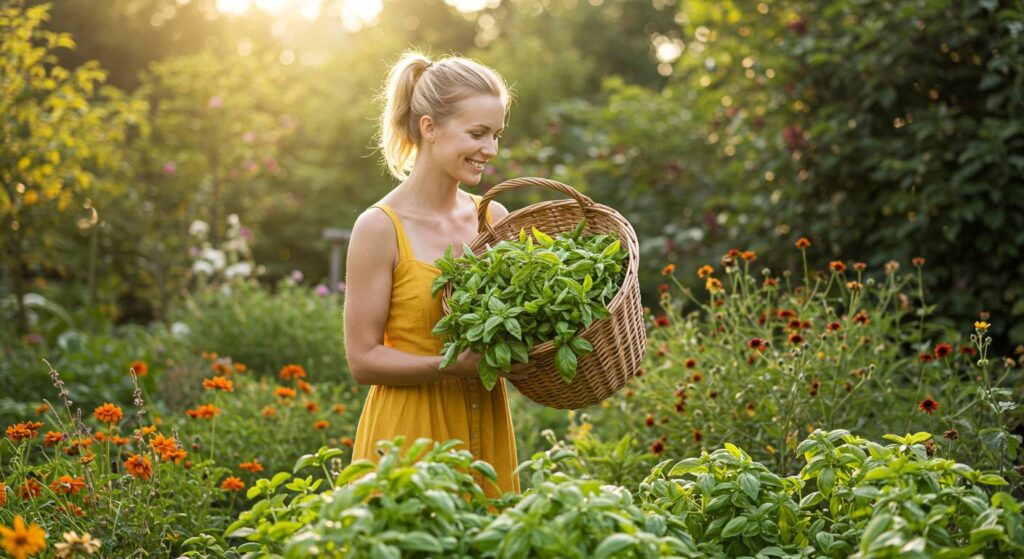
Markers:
760,361
267,330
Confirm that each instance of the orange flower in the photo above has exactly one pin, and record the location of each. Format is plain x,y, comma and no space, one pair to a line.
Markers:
223,368
668,269
283,392
861,318
23,430
347,441
268,411
3,494
312,407
22,541
30,488
108,413
697,377
713,286
139,466
42,408
205,411
339,408
254,466
148,430
770,282
305,386
176,455
293,372
162,445
140,367
860,266
320,425
70,509
219,383
854,285
749,255
119,440
802,243
67,485
918,261
232,483
705,271
837,266
52,438
240,367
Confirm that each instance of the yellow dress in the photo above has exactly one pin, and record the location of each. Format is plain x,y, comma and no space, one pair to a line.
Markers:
450,409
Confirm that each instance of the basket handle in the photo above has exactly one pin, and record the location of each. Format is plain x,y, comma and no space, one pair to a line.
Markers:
520,182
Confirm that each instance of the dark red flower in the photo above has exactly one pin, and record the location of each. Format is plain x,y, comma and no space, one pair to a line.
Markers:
661,321
691,363
663,288
924,357
796,339
834,326
757,343
928,405
697,436
943,350
658,447
952,434
968,350
649,420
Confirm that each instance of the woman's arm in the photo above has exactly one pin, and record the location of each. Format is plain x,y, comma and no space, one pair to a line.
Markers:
372,254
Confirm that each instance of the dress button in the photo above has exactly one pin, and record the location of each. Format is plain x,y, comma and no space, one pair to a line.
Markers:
476,435
475,405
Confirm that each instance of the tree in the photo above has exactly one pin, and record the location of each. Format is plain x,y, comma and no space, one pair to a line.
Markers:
63,138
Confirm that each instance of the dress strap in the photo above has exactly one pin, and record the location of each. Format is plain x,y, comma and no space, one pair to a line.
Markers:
404,251
476,200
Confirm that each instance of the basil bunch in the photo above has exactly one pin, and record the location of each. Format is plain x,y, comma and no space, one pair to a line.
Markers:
518,294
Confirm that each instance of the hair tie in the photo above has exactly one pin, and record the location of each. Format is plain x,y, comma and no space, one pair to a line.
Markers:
429,64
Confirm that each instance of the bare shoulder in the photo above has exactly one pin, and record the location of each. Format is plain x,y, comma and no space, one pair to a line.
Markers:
498,211
373,235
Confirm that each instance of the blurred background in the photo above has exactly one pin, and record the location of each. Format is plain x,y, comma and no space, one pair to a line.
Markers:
878,130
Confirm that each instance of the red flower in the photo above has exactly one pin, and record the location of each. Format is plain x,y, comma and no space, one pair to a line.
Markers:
658,447
697,436
837,266
924,357
968,350
943,350
918,261
928,405
697,377
796,339
649,420
757,343
834,326
663,288
861,318
661,321
691,363
859,266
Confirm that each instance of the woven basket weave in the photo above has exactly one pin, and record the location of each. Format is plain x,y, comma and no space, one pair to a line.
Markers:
619,340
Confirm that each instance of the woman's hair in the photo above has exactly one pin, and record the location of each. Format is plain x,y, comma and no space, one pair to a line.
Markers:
416,87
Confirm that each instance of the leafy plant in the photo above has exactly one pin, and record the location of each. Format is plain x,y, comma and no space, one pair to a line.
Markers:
518,294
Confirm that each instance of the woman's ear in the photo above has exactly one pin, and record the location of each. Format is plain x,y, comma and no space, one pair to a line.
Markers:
427,128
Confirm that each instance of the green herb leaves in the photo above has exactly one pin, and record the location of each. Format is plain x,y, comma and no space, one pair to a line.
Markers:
520,293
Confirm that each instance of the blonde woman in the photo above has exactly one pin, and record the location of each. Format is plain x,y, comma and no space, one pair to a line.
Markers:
439,129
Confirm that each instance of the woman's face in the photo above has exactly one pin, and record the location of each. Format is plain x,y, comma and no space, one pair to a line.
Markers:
463,145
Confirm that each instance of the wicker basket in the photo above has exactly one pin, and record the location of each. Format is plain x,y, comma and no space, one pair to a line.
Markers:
619,340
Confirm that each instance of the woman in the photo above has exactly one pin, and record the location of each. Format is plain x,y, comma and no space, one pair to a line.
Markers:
443,119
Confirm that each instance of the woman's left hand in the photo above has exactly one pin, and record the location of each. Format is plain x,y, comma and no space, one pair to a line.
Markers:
518,372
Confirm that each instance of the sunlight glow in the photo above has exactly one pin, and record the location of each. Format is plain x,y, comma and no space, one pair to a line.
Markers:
233,6
467,6
357,13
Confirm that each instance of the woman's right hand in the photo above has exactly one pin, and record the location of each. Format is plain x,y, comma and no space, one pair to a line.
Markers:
464,366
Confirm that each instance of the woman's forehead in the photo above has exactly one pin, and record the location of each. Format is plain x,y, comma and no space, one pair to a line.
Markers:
483,110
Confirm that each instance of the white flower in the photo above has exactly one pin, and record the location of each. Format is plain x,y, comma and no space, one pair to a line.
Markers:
202,267
214,257
238,269
180,330
233,220
198,229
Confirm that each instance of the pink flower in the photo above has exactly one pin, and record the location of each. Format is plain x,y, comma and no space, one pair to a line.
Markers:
249,137
297,276
245,232
322,290
216,102
170,168
341,287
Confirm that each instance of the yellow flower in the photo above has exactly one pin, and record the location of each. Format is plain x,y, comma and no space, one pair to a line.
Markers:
713,286
22,541
982,325
705,271
584,430
75,544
